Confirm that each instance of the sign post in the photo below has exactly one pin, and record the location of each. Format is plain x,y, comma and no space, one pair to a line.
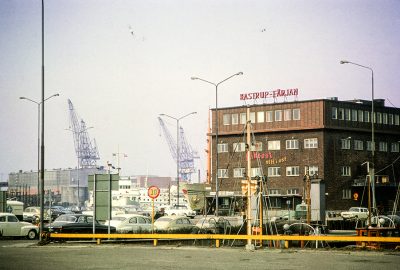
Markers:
153,192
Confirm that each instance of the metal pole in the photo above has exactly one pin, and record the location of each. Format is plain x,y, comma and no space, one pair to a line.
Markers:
177,159
94,203
248,215
42,141
38,158
372,172
216,156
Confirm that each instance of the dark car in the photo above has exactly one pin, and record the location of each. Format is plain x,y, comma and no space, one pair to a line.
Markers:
76,223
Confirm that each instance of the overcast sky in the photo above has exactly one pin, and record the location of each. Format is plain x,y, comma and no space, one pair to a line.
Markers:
120,82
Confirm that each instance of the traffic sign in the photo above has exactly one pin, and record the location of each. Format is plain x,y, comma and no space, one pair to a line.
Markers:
153,192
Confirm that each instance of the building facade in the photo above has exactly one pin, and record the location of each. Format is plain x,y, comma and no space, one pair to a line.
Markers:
327,139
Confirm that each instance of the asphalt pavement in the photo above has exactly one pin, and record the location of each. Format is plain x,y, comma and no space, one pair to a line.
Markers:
22,254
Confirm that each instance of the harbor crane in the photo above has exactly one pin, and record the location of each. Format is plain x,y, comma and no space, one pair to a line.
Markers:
85,149
186,154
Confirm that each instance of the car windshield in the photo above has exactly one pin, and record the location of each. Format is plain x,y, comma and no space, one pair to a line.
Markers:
165,219
119,218
354,209
65,218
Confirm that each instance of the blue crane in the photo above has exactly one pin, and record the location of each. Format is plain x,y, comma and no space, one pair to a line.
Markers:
186,153
86,150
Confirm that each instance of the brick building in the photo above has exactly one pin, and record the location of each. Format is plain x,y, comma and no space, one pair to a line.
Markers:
330,138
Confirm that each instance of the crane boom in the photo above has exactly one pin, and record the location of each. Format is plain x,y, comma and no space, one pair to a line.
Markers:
186,153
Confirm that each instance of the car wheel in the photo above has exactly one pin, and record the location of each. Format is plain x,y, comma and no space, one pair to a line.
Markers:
32,234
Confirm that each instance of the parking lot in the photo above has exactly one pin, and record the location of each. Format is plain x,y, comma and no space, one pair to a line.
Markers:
23,254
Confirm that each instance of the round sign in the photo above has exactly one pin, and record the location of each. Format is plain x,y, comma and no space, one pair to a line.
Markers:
153,192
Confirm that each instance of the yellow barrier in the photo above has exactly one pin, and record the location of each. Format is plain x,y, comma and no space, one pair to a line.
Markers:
219,237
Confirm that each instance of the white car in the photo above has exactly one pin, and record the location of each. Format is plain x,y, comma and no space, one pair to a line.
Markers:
30,213
11,226
180,210
175,224
130,223
355,213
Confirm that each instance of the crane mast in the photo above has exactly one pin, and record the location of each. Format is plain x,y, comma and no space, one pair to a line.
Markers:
186,153
85,149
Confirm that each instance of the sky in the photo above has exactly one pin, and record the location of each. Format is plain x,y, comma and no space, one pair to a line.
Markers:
122,63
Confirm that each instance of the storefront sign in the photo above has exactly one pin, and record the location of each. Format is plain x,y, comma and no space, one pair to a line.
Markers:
270,94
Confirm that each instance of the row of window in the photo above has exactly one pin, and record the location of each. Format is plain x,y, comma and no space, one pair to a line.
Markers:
359,145
290,191
365,116
308,143
261,117
272,171
276,171
271,145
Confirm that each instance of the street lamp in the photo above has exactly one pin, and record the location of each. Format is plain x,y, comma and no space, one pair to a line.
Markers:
177,147
38,139
216,131
372,168
78,135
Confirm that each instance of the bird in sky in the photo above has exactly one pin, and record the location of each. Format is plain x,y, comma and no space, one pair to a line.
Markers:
131,31
263,30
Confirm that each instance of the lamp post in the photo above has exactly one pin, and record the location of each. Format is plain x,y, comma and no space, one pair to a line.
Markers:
177,147
371,168
216,131
38,139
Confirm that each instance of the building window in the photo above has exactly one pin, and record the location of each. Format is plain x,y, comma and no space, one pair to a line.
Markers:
346,143
275,202
383,146
292,191
367,117
346,194
390,119
346,171
274,171
334,113
287,115
292,144
394,147
222,147
385,118
252,117
235,119
369,146
292,171
278,115
238,172
269,116
226,119
260,117
239,147
347,114
296,114
379,118
222,173
396,119
311,143
274,145
360,116
243,118
274,192
358,145
353,115
256,172
341,114
256,146
311,170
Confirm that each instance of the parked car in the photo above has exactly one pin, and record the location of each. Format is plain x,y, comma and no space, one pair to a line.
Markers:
175,224
130,223
76,223
355,213
213,224
180,210
30,213
55,211
11,226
